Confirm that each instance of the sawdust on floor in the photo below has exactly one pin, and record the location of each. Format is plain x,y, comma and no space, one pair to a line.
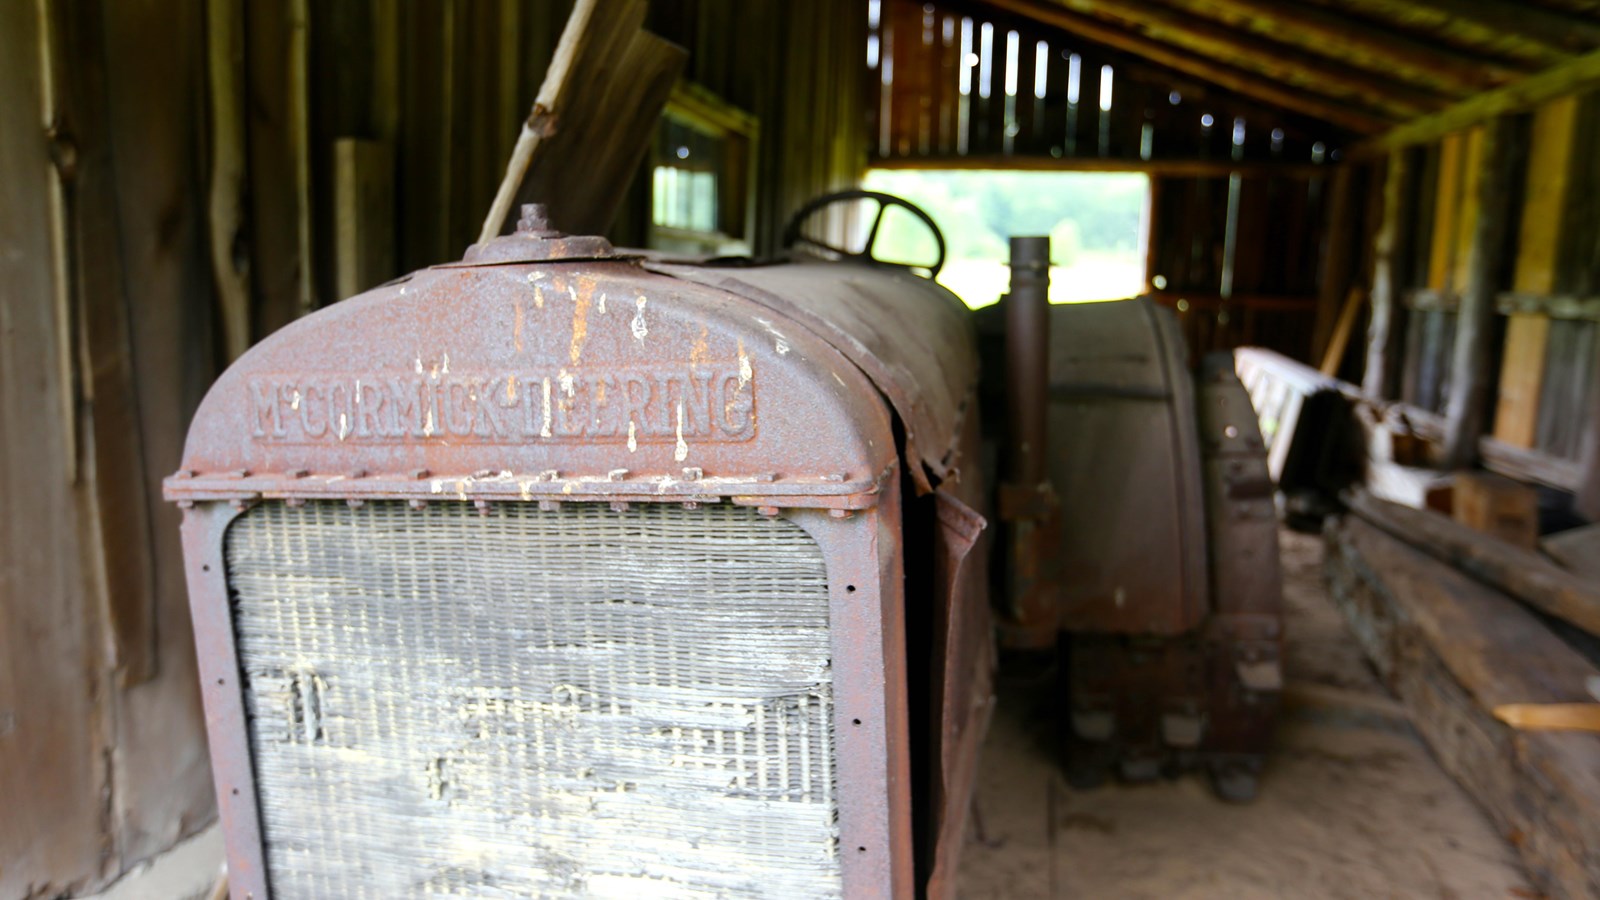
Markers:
1351,804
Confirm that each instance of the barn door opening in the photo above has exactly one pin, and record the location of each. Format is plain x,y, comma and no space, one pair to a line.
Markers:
1096,223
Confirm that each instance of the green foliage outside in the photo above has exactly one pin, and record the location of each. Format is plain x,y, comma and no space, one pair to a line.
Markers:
1093,220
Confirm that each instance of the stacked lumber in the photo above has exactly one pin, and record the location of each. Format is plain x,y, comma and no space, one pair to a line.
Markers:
1505,704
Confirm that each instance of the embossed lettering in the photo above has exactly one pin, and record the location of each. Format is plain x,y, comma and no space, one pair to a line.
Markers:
717,403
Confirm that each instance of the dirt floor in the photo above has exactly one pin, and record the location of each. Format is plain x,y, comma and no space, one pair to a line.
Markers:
1351,804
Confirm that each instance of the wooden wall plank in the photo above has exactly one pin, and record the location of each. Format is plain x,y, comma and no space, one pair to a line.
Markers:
155,101
1492,156
1446,212
1538,269
52,837
1391,273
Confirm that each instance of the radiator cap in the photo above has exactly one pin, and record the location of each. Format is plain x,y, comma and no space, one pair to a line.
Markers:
535,241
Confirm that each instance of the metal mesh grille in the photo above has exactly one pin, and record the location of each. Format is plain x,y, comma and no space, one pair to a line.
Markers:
535,704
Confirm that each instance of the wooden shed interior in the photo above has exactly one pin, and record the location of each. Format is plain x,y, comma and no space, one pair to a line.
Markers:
1402,193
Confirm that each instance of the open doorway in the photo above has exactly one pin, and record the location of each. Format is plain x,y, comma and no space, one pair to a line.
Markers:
1095,221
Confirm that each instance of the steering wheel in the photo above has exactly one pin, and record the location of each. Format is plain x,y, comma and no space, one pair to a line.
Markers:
792,235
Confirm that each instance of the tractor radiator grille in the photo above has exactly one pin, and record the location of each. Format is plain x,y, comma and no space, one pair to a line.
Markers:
537,703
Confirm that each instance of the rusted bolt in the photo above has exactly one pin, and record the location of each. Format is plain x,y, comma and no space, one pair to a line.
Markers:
619,506
616,474
483,507
294,502
183,473
186,504
549,505
483,473
419,504
767,510
355,503
238,473
357,473
534,217
693,473
765,477
833,476
840,513
419,474
549,475
691,504
298,473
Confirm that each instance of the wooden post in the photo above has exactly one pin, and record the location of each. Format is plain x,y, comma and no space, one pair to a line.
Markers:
1538,269
1338,259
1390,274
1469,378
230,264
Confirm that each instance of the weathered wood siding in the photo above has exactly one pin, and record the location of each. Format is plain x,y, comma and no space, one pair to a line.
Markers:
129,275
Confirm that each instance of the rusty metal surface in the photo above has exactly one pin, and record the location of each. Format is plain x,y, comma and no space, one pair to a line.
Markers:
1028,501
1245,631
912,337
534,240
596,380
1206,698
550,382
1125,464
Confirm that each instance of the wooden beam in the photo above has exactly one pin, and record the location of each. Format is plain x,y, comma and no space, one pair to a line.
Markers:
1455,652
1575,77
1339,341
1498,456
1538,266
1286,62
1138,68
1559,34
1390,274
1174,168
1517,569
1360,43
1338,257
1341,113
230,261
1511,303
1577,550
1469,375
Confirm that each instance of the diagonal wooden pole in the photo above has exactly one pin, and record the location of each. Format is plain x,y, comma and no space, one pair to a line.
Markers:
543,118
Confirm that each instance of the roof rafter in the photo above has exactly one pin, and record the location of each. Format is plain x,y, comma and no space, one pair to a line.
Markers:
1314,73
1359,43
1339,112
1190,87
1566,33
1581,74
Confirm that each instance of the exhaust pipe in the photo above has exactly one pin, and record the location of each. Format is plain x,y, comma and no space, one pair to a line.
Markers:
1027,498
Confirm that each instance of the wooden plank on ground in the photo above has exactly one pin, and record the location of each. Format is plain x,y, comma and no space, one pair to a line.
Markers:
1454,651
1577,550
1521,573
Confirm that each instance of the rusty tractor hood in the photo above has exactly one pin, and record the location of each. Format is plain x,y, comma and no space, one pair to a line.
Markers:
581,378
913,338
